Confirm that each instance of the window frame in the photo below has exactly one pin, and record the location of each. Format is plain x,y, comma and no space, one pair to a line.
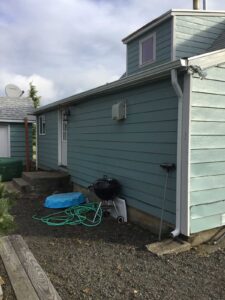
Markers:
41,121
152,35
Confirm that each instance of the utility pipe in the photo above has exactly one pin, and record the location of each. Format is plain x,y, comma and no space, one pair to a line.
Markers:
196,4
204,4
179,93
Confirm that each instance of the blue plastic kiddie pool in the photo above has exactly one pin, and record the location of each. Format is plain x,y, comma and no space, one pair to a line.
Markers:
64,200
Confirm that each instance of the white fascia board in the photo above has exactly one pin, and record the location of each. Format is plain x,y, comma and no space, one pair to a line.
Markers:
147,27
15,121
208,60
197,12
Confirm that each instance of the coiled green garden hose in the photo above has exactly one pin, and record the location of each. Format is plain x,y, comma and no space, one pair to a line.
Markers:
74,215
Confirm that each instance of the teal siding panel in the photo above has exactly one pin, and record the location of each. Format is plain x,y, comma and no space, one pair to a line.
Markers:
208,196
207,182
163,48
48,143
207,155
208,209
207,128
196,35
18,141
207,142
129,150
206,223
207,169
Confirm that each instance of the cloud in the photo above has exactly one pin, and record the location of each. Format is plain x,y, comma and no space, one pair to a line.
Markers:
44,86
72,45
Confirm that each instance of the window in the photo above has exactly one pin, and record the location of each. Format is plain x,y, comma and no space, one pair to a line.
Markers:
147,50
42,125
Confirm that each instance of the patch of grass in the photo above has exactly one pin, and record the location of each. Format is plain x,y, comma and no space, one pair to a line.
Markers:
6,219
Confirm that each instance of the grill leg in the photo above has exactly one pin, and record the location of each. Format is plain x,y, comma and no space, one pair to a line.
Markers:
100,204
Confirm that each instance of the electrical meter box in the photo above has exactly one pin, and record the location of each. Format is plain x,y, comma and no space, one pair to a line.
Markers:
119,111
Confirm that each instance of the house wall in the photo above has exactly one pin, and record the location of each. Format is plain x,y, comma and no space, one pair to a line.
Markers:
130,150
17,140
163,48
195,34
48,143
207,146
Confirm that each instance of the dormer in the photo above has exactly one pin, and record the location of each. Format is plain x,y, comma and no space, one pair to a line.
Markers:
175,34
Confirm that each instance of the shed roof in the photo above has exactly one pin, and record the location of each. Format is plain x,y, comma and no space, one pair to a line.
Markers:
16,109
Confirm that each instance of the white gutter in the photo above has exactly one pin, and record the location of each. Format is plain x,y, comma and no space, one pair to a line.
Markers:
179,94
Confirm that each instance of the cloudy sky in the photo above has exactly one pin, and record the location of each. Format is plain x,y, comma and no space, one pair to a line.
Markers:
68,46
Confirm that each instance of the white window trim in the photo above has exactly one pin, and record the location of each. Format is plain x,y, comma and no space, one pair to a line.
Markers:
154,50
9,141
39,127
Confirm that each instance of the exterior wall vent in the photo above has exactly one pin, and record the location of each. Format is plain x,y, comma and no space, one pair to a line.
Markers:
119,111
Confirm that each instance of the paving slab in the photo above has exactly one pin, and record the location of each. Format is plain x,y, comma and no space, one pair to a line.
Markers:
168,246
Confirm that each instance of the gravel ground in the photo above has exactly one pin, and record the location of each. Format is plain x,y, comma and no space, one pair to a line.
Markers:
110,262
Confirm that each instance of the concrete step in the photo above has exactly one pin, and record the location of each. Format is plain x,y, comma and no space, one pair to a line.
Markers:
10,187
48,181
22,185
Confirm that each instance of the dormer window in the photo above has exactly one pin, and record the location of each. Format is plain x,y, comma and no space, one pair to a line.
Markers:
147,49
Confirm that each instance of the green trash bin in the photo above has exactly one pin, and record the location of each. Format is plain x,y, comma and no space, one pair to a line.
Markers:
10,168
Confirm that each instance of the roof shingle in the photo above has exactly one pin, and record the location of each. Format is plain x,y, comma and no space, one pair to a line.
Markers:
16,108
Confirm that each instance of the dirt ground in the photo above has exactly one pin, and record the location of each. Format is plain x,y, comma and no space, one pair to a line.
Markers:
110,261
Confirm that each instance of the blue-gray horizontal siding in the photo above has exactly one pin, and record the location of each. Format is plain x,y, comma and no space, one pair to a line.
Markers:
163,48
18,142
195,35
207,182
48,143
130,150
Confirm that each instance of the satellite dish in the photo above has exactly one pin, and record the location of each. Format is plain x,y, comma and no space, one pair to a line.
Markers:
12,91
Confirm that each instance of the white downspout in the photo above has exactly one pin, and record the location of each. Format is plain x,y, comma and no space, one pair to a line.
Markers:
179,94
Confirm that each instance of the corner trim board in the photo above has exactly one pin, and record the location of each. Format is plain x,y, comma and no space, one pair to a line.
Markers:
173,38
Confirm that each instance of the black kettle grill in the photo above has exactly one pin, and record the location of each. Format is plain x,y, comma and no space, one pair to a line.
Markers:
107,189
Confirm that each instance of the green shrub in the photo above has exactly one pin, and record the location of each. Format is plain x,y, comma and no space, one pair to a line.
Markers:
6,202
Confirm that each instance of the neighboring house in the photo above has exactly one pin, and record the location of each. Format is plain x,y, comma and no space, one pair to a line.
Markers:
174,99
12,126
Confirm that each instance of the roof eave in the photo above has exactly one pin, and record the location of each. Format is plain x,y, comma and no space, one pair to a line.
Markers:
152,74
167,15
147,27
207,60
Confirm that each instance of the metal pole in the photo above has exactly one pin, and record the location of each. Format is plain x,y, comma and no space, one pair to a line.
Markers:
205,4
196,4
163,207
